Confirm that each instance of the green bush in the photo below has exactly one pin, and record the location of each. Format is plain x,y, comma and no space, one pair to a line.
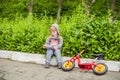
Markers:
29,34
98,34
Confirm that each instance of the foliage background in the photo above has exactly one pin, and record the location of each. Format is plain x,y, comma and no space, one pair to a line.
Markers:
27,33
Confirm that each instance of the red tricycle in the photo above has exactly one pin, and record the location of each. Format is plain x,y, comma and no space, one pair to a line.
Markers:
98,68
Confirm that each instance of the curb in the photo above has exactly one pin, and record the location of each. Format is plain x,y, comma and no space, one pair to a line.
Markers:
40,59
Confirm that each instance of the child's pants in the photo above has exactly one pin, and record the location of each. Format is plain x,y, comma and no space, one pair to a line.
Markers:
49,54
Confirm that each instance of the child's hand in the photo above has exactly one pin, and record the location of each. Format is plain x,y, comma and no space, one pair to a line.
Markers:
56,47
44,46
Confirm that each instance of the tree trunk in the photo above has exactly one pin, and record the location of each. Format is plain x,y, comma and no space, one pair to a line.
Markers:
86,7
112,11
90,10
31,7
59,10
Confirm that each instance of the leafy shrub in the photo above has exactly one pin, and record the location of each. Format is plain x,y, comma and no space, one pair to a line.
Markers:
98,34
29,34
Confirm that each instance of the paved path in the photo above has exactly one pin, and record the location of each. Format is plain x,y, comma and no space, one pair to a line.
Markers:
12,70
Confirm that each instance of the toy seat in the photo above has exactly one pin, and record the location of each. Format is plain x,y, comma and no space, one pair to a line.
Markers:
100,56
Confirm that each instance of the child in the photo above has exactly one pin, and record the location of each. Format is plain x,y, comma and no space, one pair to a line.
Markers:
53,45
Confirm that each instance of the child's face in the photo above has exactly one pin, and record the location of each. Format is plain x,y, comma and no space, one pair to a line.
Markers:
53,31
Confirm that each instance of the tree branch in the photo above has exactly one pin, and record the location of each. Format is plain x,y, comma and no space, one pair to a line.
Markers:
116,17
86,7
93,1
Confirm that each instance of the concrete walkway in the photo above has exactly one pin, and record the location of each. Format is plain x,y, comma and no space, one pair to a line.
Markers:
12,70
40,59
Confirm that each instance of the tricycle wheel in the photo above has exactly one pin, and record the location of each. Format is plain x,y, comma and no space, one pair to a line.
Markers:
100,69
68,65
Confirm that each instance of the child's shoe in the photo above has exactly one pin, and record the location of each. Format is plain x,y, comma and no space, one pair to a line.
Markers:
59,65
47,65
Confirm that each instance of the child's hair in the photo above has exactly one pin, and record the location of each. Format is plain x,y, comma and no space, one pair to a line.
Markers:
53,29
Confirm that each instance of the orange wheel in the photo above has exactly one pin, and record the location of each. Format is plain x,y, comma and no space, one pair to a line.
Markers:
68,65
100,69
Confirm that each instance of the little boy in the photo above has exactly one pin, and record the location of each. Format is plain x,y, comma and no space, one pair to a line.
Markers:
53,45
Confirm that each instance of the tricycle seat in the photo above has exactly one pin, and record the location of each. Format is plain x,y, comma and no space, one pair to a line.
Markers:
99,56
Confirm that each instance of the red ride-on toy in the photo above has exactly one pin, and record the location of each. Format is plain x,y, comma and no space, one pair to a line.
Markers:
98,68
